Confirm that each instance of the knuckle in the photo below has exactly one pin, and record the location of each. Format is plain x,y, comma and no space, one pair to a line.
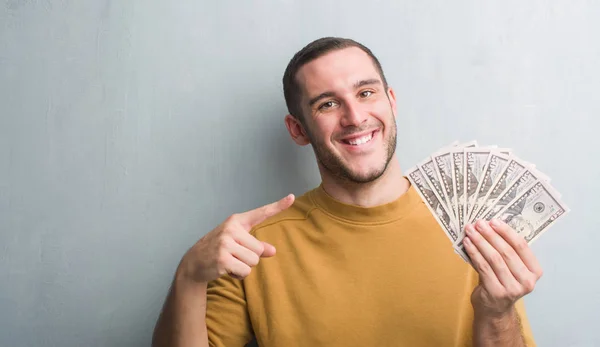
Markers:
269,208
222,258
229,228
521,244
254,259
221,271
245,272
496,258
529,284
485,268
231,219
223,243
260,248
506,253
514,293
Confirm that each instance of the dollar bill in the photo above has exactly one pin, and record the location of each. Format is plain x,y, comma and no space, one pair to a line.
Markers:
459,187
475,160
513,170
442,166
533,211
433,203
493,168
525,180
427,168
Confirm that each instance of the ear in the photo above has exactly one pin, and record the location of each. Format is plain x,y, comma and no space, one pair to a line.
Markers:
392,98
296,130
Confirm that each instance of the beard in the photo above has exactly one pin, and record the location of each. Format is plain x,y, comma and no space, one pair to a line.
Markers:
335,165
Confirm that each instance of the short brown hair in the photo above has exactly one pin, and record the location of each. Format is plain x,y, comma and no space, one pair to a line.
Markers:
312,51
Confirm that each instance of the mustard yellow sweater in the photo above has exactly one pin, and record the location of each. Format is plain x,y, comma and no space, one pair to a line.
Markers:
346,275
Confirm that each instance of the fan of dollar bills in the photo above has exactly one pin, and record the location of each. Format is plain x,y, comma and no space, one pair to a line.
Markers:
463,183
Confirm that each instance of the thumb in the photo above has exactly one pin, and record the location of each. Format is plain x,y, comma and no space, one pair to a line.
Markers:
269,250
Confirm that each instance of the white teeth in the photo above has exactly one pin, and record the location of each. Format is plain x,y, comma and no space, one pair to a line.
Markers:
361,140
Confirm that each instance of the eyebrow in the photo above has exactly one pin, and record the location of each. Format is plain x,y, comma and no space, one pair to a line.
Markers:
363,83
357,85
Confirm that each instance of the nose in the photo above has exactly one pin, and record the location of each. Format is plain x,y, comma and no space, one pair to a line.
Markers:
353,115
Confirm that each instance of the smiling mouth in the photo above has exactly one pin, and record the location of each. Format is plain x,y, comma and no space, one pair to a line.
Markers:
357,141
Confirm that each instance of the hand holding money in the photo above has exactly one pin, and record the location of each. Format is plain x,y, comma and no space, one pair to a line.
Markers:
465,183
508,269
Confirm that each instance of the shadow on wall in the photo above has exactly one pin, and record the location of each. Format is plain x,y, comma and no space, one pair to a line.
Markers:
284,166
295,165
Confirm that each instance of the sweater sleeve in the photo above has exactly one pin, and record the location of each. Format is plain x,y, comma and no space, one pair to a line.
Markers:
227,320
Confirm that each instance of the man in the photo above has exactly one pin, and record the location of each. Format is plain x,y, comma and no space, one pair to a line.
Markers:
357,261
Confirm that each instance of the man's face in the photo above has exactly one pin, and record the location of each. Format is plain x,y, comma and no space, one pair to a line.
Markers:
349,116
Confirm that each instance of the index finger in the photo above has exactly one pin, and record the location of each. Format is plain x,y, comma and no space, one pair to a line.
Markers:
258,215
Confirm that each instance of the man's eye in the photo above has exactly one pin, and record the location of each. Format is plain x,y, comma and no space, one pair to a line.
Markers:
366,93
326,105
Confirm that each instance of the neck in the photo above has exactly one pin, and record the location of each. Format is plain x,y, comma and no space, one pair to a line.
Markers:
387,188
